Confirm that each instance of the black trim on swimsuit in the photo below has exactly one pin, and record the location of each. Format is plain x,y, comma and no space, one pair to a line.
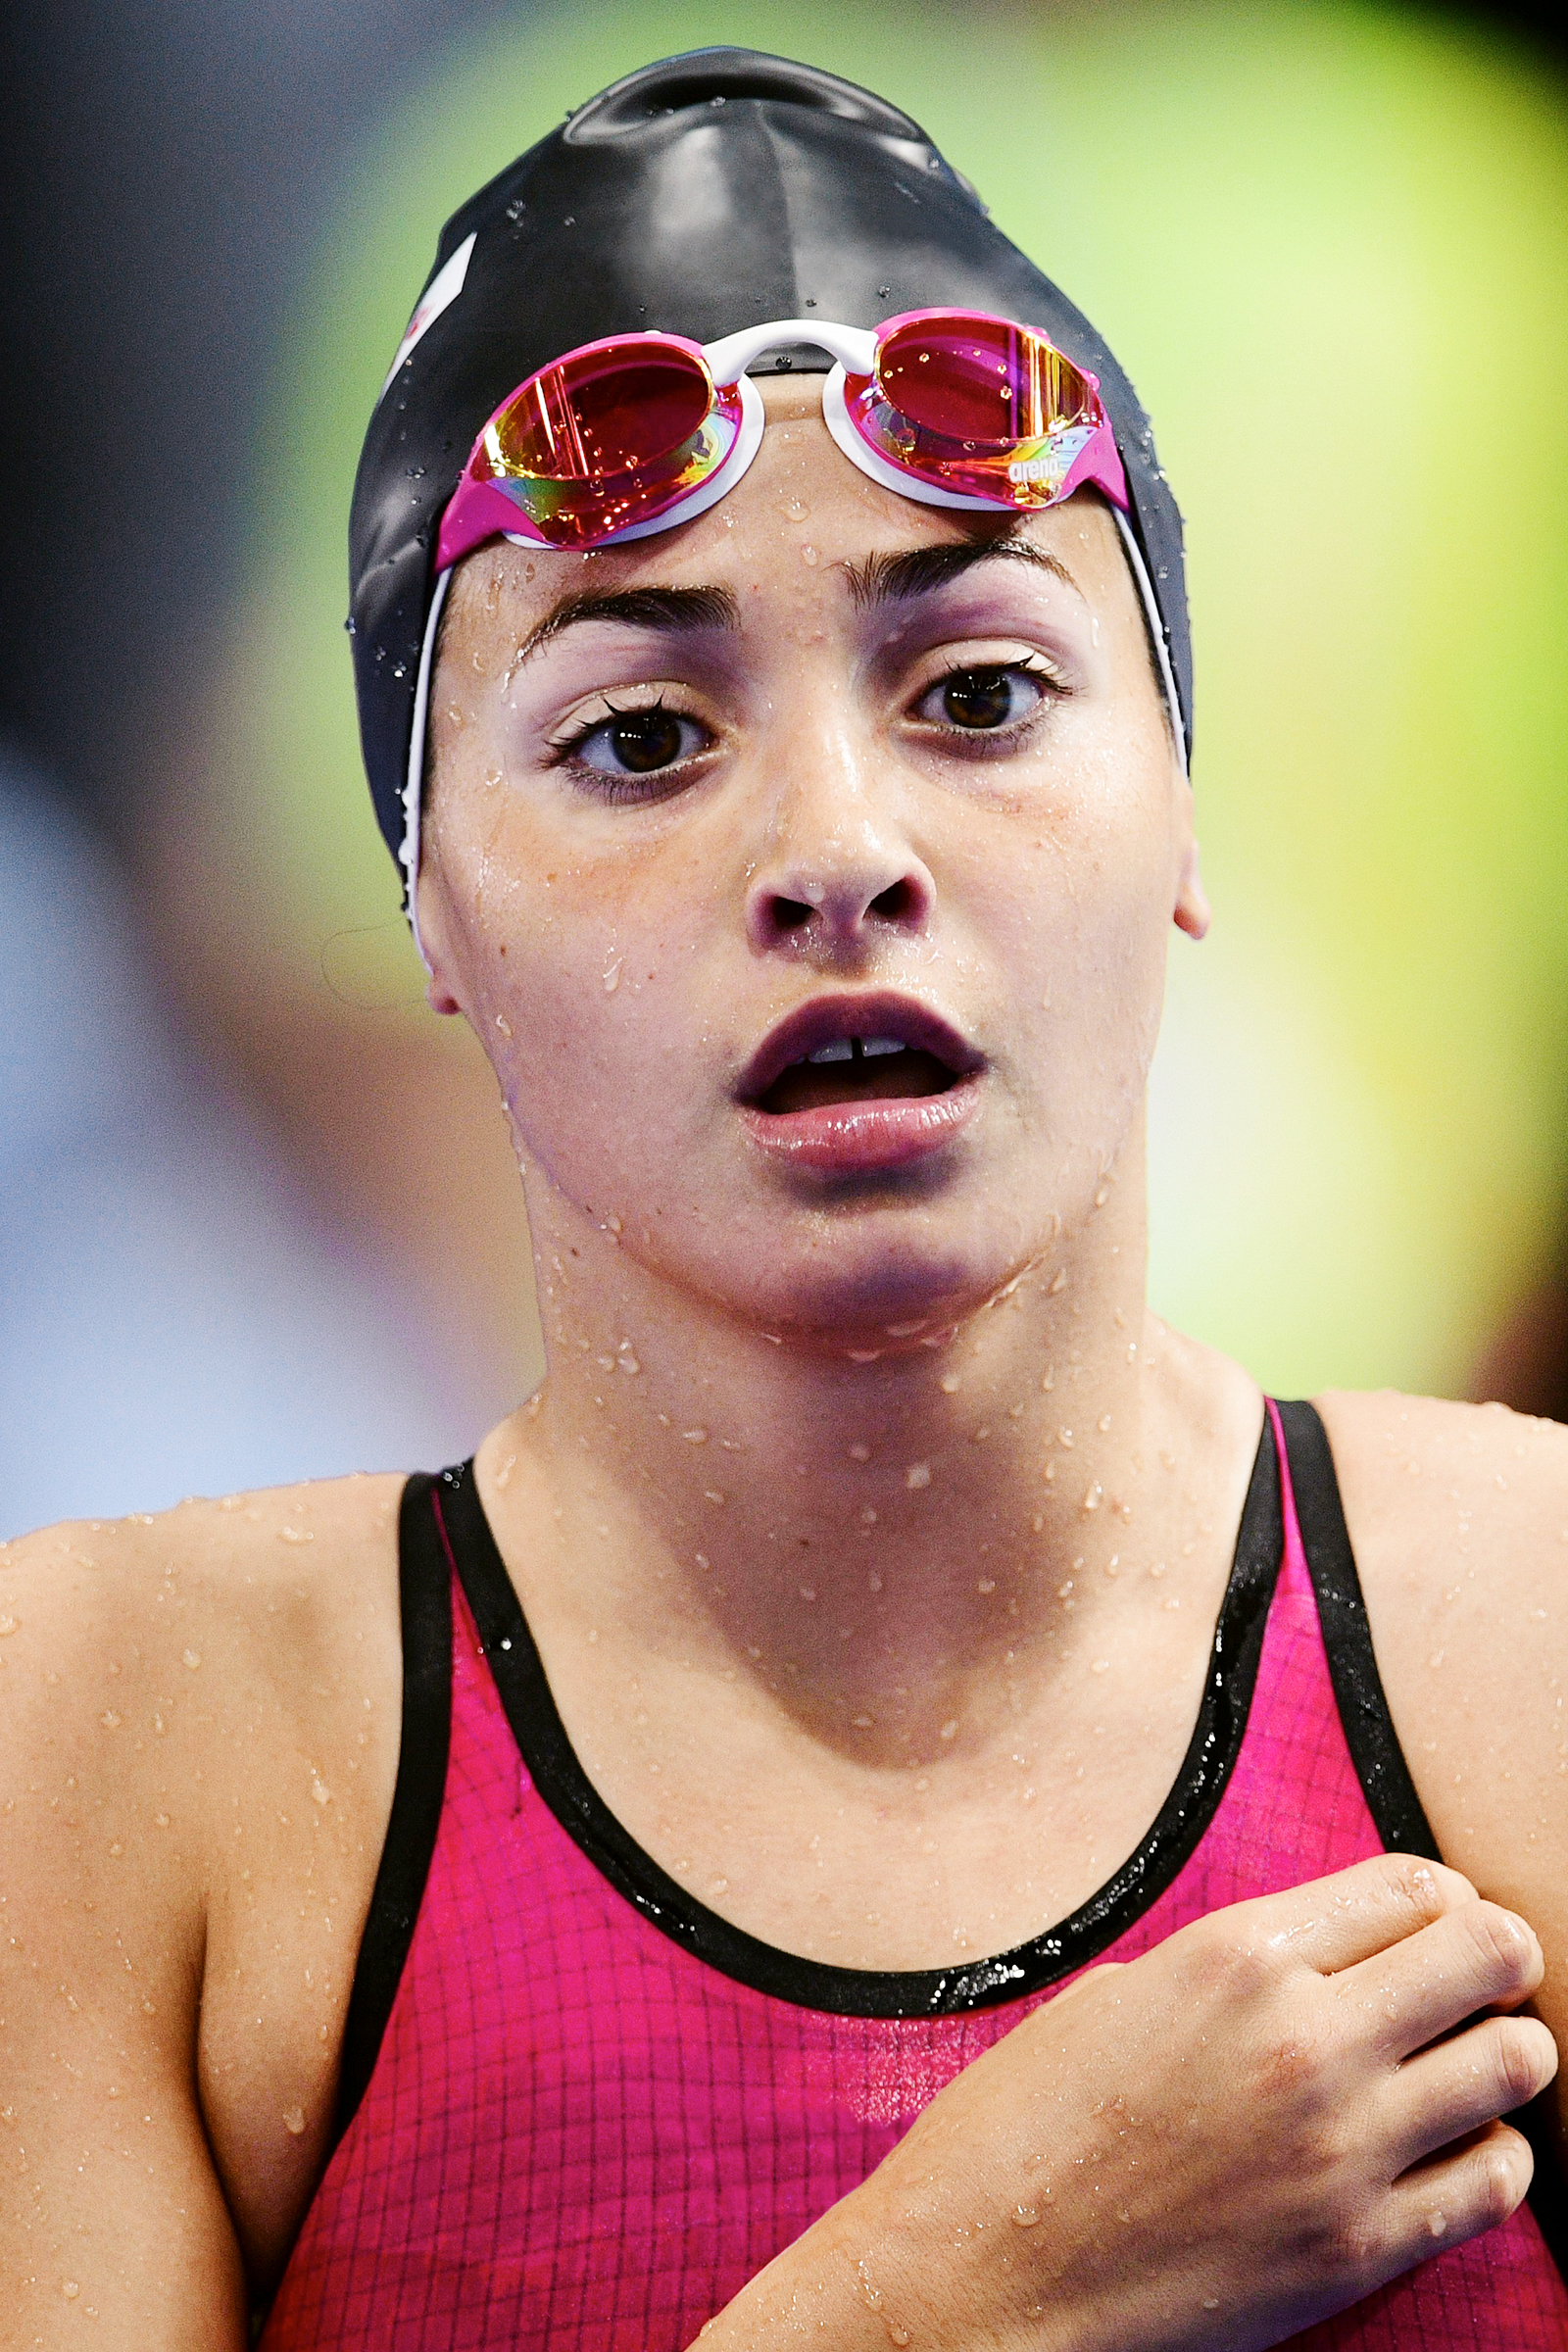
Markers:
1181,1822
1369,1733
424,1586
1396,1810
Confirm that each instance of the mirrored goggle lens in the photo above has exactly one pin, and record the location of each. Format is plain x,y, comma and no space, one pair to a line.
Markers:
977,405
607,437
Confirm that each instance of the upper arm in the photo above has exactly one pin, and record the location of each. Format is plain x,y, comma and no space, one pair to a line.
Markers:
109,2203
1459,1516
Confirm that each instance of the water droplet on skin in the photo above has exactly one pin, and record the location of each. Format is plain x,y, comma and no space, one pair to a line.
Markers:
294,2121
873,1583
1026,2216
718,1886
504,1474
859,1453
1061,1283
1158,1569
917,1475
502,1024
161,1820
795,508
295,1535
1100,1666
193,1658
807,1592
949,1729
808,556
1065,1438
1093,1498
612,977
1038,1523
1437,2223
868,1519
896,2336
110,1720
863,1723
987,1584
319,1790
69,2289
714,1494
695,1436
1211,2302
624,1356
8,1624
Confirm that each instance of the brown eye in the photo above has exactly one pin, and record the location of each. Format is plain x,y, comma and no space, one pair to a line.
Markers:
979,700
639,743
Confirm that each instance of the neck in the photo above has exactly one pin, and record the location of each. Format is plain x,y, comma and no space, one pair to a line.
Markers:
891,1534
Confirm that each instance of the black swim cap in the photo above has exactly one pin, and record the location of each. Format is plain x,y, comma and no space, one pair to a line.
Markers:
702,195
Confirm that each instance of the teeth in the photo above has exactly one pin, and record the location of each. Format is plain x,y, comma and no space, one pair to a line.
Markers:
844,1049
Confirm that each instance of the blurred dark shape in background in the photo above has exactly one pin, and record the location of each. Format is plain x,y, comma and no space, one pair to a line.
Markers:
167,167
164,166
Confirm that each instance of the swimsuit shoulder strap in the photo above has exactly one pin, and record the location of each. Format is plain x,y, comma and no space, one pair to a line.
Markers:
1312,1498
424,1584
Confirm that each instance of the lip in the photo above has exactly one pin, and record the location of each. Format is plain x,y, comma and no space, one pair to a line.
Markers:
843,1138
881,1013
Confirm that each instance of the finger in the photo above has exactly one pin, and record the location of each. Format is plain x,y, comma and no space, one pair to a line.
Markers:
1442,2094
1451,2199
1480,1956
1331,1924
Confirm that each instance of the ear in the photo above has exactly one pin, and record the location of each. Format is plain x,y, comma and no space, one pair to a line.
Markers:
430,938
1192,910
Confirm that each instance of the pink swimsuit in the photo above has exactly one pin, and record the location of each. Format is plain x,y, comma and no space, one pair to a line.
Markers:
579,2111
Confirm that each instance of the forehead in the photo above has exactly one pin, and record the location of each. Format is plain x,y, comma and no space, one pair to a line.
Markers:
792,533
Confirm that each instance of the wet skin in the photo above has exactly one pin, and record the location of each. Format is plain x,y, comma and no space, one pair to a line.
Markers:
871,1529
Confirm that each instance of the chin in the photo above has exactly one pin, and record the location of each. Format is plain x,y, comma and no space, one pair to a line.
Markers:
841,1291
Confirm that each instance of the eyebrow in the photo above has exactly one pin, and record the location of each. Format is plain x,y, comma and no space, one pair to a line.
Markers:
665,609
885,580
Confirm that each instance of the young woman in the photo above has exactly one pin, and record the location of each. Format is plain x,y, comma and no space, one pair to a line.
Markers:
875,1809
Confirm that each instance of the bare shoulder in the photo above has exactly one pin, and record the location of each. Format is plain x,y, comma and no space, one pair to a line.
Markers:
1459,1516
199,1729
181,1611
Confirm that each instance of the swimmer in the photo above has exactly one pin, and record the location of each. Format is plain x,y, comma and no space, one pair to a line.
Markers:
895,1801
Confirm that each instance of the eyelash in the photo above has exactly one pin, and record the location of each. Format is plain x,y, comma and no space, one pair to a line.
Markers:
563,749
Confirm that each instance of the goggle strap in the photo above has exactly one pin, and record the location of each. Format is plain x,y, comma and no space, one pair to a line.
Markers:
414,788
1156,632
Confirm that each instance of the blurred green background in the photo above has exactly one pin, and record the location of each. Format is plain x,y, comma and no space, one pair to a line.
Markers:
1330,243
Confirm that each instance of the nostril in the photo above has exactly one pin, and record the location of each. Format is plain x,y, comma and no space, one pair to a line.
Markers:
895,904
791,914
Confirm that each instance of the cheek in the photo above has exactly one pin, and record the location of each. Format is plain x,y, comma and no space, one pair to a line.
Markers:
580,972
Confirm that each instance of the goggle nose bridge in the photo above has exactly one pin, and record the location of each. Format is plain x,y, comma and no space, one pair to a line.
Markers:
853,347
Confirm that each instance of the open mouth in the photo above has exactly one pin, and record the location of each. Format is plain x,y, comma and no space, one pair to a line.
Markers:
841,1051
856,1069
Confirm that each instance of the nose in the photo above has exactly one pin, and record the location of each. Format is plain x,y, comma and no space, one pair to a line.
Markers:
854,890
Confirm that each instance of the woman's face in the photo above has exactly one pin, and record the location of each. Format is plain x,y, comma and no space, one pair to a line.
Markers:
807,873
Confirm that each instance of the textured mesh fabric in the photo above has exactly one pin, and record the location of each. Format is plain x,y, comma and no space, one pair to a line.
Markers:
581,2138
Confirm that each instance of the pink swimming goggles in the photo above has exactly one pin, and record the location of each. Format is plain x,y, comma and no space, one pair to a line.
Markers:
639,432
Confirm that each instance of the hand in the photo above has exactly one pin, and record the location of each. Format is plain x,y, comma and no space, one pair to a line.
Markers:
1210,2147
